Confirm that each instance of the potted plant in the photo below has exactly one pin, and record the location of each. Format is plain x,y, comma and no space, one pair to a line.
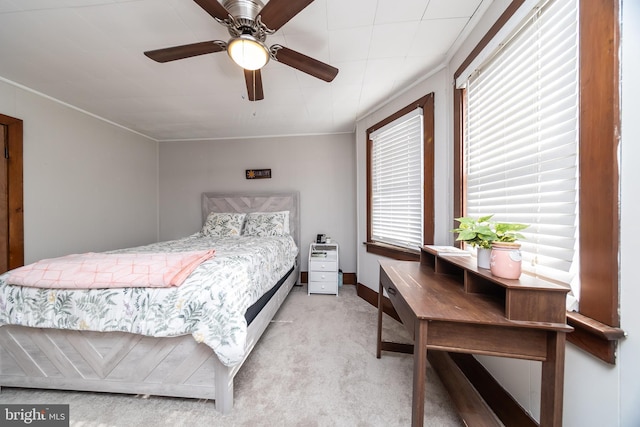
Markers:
506,260
508,232
477,232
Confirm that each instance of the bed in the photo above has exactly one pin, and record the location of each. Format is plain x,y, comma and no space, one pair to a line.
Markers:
178,357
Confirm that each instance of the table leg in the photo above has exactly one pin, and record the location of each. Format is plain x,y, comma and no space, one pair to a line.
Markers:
419,373
552,387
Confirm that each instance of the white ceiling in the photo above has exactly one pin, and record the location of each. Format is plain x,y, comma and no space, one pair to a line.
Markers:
89,54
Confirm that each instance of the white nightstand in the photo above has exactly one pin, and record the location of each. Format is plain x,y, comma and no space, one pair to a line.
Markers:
323,268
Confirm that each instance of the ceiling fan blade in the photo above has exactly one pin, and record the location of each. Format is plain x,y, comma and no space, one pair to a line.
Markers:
304,63
254,84
276,13
214,8
186,51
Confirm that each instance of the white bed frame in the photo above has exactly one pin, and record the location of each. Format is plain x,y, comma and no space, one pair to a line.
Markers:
118,362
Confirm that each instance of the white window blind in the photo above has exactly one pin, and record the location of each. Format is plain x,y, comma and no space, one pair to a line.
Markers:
521,140
397,181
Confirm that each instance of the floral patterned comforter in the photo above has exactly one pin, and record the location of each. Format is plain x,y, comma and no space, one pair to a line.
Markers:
210,304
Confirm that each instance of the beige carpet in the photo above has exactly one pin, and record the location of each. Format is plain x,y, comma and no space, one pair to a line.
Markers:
314,366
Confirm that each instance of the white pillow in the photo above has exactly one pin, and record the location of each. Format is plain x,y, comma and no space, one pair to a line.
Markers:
223,224
264,224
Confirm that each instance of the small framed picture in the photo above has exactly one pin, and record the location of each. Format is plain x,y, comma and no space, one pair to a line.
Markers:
258,173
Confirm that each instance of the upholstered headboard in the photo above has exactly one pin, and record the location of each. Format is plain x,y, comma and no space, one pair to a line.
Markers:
256,202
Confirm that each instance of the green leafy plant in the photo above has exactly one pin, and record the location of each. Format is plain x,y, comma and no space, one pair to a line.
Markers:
482,232
507,232
475,231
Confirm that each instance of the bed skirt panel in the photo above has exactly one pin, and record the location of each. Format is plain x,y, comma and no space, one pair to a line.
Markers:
115,362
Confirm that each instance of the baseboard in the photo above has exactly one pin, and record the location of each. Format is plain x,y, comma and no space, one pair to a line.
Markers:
506,408
471,407
349,279
458,371
371,296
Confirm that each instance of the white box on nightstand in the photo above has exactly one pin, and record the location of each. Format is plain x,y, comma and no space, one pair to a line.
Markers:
323,268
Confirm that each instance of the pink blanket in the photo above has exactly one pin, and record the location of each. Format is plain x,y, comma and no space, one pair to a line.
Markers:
100,270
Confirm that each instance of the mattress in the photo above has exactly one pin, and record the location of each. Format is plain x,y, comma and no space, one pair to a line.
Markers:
255,308
210,305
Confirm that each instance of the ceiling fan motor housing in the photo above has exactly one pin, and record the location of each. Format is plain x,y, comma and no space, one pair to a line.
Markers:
247,9
244,14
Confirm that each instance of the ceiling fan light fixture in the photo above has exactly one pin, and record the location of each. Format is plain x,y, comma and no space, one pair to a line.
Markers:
248,52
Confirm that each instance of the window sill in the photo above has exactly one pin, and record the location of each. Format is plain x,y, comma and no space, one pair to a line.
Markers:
594,337
394,252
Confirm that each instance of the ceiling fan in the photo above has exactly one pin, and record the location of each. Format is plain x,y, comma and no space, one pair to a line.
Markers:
249,22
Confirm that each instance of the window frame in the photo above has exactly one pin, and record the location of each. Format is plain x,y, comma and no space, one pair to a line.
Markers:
396,252
597,324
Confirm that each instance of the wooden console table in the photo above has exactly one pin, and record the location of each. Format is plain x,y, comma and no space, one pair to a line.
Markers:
447,303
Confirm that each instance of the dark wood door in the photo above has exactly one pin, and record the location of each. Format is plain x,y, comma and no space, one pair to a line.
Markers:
4,202
11,194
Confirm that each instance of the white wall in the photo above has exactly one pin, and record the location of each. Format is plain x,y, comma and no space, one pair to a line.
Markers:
629,350
88,185
319,167
596,394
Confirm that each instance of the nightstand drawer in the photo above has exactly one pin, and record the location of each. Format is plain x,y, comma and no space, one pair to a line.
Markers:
330,287
323,266
322,276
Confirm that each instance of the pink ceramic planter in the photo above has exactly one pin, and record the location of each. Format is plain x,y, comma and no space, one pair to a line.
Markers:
506,260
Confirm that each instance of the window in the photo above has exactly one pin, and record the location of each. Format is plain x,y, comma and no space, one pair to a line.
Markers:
521,140
597,323
396,182
400,181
